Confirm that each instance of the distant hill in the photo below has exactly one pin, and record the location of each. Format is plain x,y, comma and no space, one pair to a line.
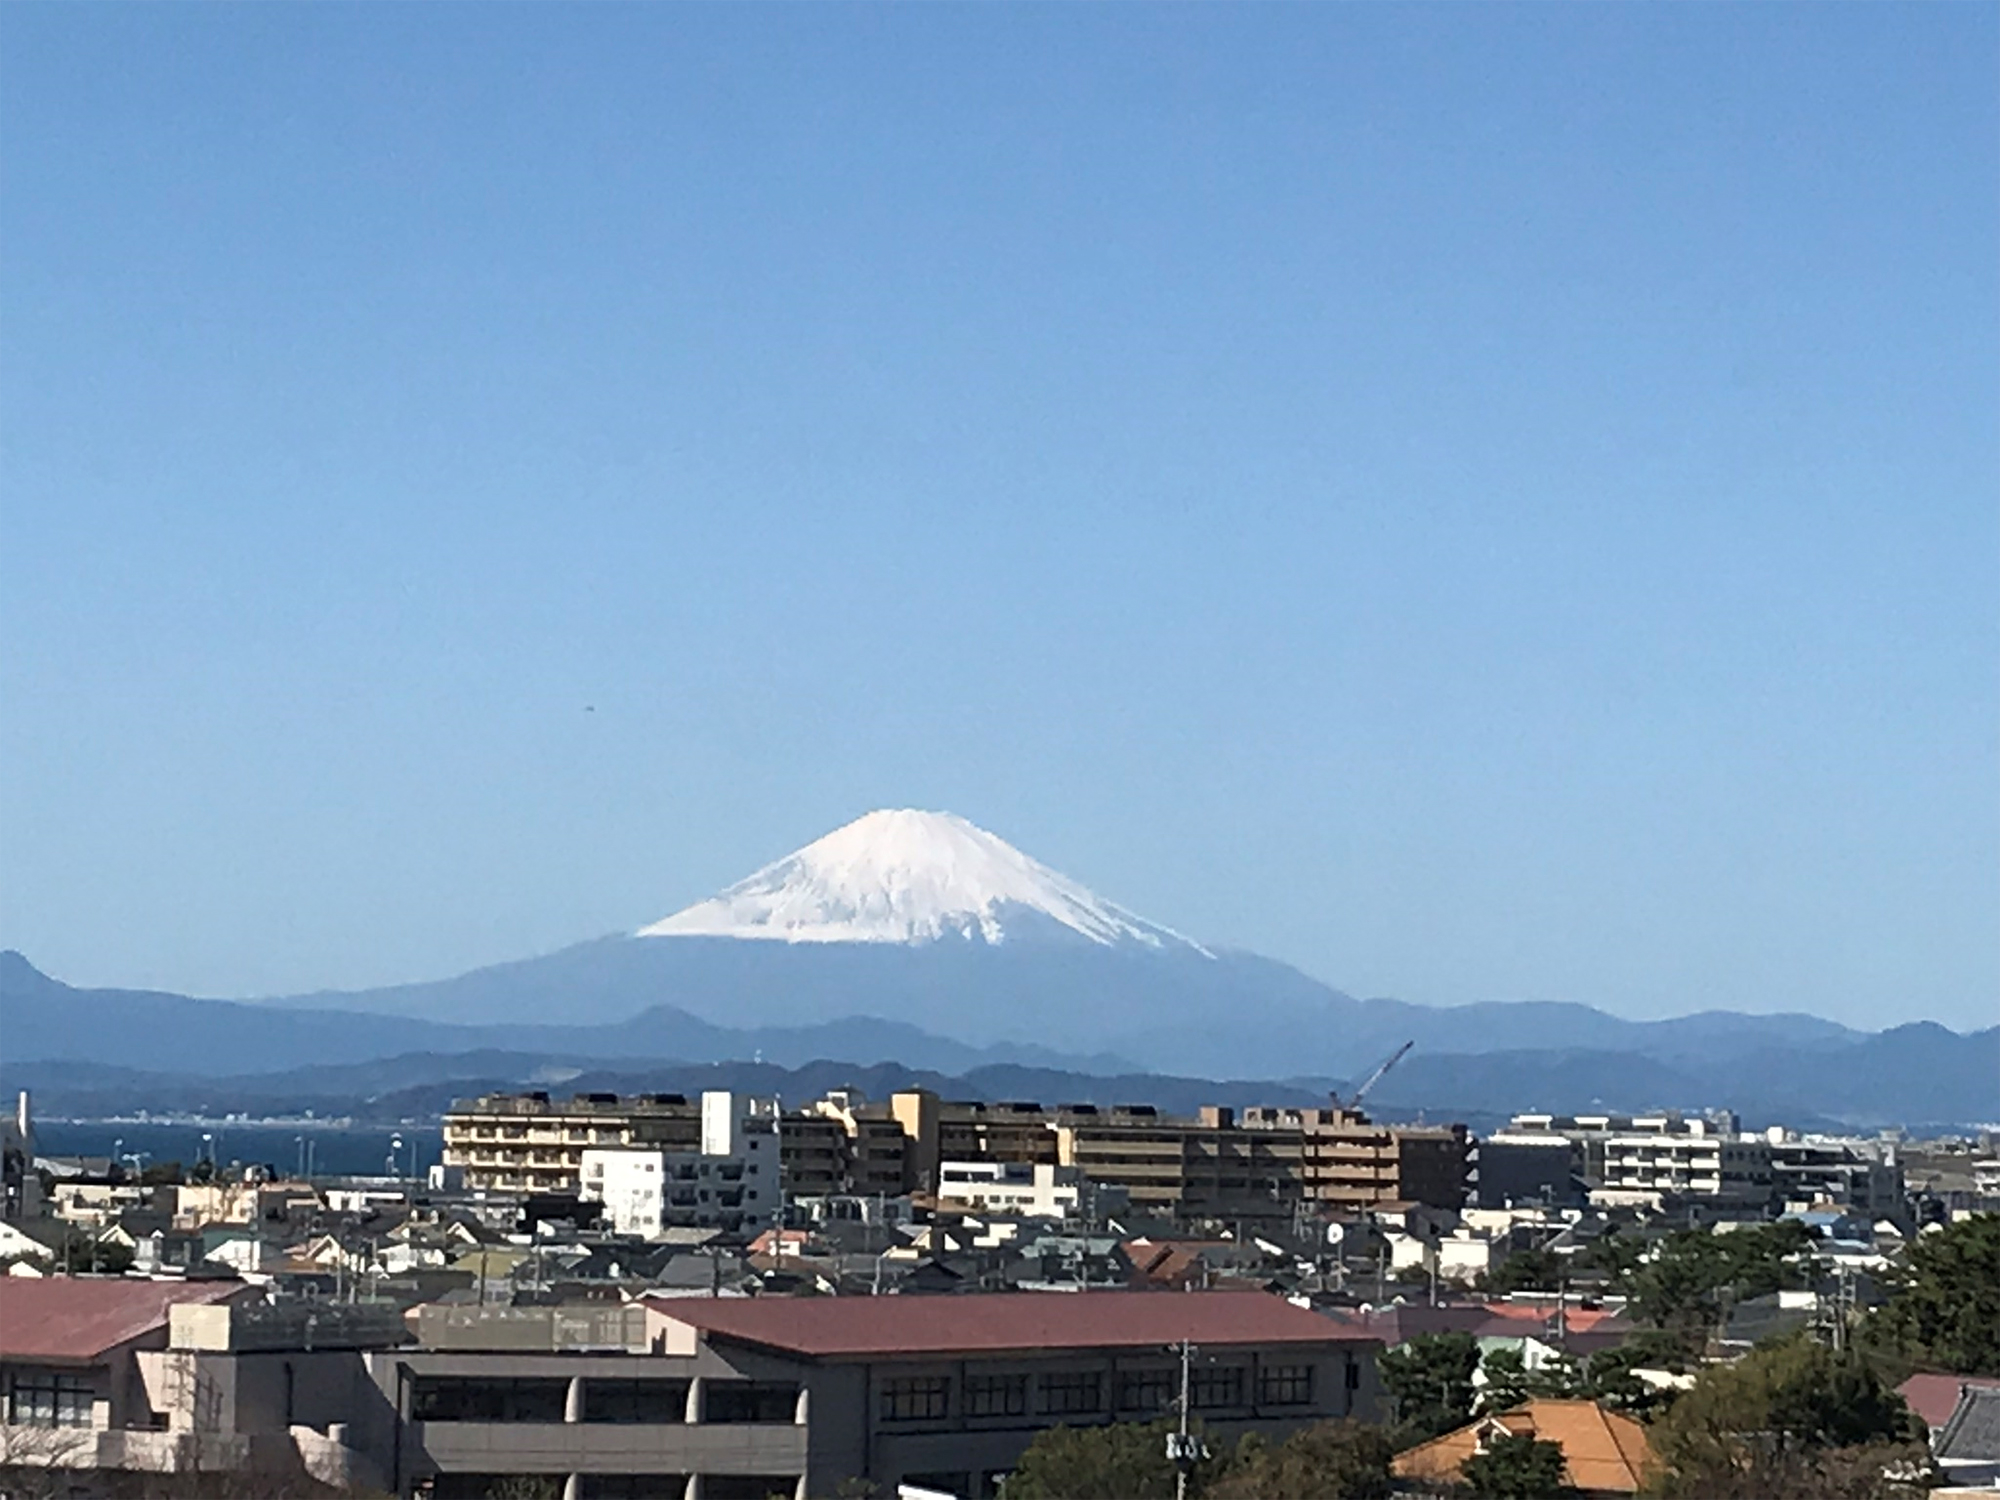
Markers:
129,1051
916,939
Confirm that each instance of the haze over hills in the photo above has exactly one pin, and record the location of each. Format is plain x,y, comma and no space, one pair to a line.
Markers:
924,919
920,939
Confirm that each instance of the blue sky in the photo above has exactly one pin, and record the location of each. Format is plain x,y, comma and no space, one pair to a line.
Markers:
1480,503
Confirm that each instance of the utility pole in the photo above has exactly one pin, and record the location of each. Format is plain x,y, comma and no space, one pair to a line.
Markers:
1184,1450
1181,1458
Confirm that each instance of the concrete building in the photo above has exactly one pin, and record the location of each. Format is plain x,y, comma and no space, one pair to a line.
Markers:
734,1397
529,1143
731,1181
1038,1189
1812,1170
1513,1167
690,1398
1213,1167
187,1378
1689,1159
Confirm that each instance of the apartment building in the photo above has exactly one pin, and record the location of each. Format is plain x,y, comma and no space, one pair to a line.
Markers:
529,1143
1863,1176
1667,1155
732,1181
1348,1163
1010,1131
1215,1166
1208,1168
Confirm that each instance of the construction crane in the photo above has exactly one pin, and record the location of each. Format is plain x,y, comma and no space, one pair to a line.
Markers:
1354,1100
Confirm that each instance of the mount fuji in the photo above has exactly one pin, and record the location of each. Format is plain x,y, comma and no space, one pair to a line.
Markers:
917,918
919,938
914,877
924,920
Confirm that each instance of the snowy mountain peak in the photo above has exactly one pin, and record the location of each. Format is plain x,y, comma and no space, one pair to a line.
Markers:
903,876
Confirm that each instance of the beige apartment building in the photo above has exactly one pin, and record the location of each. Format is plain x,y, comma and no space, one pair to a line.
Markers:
1216,1166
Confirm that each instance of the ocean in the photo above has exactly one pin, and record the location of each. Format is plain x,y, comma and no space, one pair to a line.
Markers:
331,1150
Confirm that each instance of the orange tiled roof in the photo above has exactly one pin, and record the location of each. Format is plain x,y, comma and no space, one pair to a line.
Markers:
1603,1451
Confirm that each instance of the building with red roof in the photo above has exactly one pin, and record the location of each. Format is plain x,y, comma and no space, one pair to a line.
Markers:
795,1395
68,1344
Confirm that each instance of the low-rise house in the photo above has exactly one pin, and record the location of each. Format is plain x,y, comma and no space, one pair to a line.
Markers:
1604,1452
1966,1448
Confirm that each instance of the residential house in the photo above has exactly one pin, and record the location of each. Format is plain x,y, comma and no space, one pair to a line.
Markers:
1604,1453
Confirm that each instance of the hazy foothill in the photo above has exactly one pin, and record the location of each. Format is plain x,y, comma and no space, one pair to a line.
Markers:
918,940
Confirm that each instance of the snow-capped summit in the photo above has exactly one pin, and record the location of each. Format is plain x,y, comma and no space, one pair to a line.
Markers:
903,876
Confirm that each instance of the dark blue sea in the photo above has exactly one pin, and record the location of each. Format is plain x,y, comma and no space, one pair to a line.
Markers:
332,1150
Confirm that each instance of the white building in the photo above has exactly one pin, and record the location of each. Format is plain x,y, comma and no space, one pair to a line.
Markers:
731,1181
1691,1158
1037,1189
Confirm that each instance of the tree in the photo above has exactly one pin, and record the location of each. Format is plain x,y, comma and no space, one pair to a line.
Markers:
1526,1271
1509,1381
1794,1399
1687,1284
1945,1308
1122,1461
41,1463
1519,1466
1506,1385
1429,1377
1608,1375
1613,1255
1328,1461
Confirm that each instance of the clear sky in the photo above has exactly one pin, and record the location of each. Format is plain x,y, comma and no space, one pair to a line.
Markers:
1479,502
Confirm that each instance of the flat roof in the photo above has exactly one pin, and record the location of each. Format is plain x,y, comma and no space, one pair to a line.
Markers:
75,1319
1000,1322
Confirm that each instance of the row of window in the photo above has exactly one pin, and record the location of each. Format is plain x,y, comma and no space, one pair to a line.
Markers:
920,1398
546,1398
49,1400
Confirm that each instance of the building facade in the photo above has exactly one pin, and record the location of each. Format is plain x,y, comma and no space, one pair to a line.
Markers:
730,1182
711,1399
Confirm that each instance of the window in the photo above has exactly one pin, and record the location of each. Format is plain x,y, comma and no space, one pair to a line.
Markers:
634,1400
915,1398
50,1401
748,1401
996,1395
1217,1386
1285,1385
1072,1393
1353,1376
1147,1390
454,1399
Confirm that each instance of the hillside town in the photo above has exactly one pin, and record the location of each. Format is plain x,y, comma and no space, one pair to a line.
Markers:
727,1296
